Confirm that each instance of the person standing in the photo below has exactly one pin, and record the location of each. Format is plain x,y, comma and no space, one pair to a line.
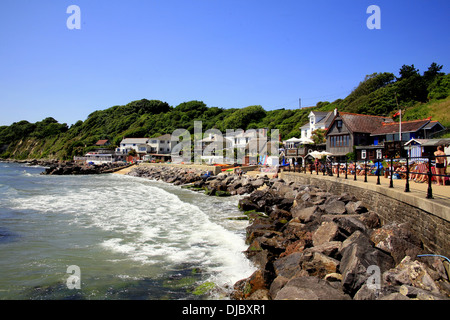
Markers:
441,164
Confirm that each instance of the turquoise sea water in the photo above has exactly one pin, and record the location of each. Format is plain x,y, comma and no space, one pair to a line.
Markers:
131,238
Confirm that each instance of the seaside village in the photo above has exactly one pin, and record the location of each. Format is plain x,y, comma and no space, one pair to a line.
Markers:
331,143
313,235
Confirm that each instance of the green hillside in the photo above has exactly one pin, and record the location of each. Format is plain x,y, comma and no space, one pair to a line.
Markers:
419,95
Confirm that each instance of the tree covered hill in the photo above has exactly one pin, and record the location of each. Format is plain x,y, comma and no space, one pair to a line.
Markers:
419,95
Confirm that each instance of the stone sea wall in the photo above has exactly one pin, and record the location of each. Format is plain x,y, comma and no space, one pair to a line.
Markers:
427,218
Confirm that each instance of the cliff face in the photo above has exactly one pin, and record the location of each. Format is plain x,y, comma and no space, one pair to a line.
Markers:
30,148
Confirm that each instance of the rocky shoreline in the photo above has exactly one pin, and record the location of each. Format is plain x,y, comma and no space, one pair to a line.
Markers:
71,168
33,162
310,244
58,167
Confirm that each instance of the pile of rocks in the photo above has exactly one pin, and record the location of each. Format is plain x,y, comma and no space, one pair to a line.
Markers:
72,168
33,162
311,244
174,175
221,185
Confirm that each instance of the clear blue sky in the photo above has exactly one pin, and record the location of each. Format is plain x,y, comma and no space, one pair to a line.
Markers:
227,53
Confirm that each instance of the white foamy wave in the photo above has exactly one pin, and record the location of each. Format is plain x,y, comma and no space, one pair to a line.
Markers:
149,225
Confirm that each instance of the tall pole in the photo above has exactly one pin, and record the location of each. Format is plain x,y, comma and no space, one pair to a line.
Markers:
400,125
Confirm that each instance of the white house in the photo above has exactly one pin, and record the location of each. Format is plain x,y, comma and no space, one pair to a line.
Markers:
241,139
161,144
139,144
317,120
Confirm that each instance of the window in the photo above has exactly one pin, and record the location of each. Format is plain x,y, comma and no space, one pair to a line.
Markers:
340,141
363,154
339,124
379,154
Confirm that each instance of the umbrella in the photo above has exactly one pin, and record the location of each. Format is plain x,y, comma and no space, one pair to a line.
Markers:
306,140
317,154
294,139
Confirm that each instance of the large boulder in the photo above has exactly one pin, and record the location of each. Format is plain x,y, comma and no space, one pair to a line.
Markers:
357,257
310,288
318,264
288,266
398,240
355,207
328,231
245,288
411,273
331,249
335,207
307,214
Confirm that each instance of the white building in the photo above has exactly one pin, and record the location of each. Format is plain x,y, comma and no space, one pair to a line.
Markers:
161,144
139,144
317,120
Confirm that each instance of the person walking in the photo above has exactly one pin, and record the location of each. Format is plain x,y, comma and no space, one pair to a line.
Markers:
441,164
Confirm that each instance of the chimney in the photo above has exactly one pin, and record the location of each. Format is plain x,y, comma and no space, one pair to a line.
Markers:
335,111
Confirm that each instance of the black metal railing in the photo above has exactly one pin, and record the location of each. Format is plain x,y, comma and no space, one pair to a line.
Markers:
419,169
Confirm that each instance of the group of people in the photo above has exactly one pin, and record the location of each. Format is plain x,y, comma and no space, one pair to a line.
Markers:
418,172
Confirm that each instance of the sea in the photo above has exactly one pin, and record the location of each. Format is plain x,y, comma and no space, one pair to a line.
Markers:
114,237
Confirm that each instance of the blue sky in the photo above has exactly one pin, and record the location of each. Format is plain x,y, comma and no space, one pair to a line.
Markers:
227,53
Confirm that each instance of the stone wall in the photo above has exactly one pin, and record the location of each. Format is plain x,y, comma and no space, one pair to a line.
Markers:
428,218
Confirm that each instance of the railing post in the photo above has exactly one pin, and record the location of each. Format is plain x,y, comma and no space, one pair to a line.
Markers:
354,171
407,174
378,171
331,168
346,167
365,170
429,190
339,166
391,169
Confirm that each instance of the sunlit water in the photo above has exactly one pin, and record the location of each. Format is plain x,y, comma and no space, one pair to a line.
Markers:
132,238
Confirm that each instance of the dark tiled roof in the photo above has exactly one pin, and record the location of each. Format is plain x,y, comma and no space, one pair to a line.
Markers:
363,123
407,126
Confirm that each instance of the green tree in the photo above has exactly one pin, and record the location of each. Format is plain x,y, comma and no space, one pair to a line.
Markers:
432,72
318,136
408,71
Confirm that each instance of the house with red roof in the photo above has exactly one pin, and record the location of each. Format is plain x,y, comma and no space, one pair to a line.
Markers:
348,130
103,143
374,137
